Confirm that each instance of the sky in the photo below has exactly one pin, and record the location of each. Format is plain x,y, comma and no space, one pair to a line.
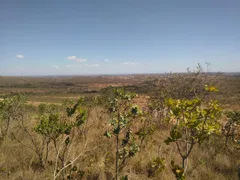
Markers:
90,37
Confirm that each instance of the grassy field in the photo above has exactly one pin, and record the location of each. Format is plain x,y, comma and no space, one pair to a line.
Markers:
22,146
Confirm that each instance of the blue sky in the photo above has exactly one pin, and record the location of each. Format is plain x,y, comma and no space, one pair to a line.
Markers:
111,37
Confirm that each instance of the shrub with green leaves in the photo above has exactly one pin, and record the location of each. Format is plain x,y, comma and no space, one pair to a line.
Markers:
61,131
194,121
44,108
157,165
11,108
124,115
52,126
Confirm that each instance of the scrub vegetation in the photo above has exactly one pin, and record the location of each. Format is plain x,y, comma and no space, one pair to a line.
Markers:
171,126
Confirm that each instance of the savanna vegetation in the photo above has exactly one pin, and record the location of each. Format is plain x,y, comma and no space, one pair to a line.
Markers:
173,126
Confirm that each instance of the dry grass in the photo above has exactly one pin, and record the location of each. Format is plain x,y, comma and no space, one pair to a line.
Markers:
208,161
18,162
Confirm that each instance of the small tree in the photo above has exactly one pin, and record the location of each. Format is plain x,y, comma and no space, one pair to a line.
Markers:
61,131
187,85
37,143
124,115
194,122
10,110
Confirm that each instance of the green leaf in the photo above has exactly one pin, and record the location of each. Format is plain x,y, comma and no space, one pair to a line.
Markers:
107,134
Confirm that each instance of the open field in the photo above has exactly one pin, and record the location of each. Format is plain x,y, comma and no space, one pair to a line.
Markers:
31,153
56,89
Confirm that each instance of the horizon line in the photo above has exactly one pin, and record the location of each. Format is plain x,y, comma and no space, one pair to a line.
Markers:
117,74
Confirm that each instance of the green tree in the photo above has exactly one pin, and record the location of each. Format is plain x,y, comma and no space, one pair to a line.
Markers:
124,115
62,131
11,109
194,122
178,86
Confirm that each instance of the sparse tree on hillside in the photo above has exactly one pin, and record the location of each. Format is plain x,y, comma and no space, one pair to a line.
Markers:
124,116
62,132
194,122
11,109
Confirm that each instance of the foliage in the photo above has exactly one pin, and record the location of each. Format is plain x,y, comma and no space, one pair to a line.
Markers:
124,115
177,171
47,108
61,131
53,125
194,122
11,108
157,165
180,86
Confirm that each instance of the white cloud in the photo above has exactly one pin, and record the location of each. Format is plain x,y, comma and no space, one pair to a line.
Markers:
72,57
129,63
77,59
95,65
80,60
19,56
106,60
